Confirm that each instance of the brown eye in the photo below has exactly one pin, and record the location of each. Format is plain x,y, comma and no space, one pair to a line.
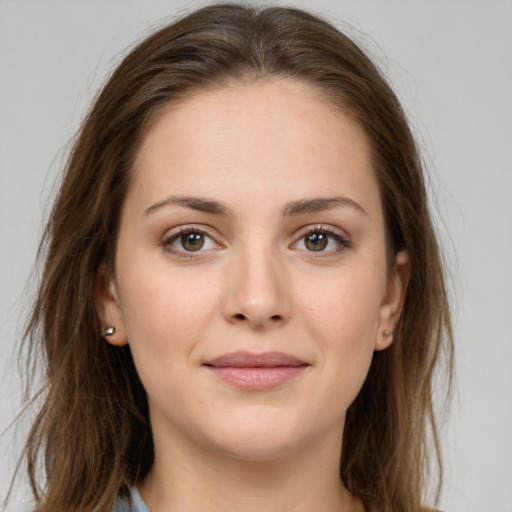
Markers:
189,241
192,241
325,241
316,241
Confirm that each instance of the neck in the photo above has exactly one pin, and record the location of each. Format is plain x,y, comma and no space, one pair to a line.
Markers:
192,478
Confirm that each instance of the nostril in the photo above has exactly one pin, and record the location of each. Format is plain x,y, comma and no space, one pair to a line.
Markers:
239,316
276,317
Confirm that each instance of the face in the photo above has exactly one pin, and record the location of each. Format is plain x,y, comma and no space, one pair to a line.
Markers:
251,280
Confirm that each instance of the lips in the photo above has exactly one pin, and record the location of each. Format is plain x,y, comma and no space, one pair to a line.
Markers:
254,372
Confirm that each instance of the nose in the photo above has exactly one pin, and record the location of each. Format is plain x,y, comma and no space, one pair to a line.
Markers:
256,292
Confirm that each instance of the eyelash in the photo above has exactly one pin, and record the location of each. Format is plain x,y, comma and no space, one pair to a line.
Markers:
340,239
185,230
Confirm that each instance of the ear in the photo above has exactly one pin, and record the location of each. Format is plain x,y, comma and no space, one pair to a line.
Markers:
108,307
393,300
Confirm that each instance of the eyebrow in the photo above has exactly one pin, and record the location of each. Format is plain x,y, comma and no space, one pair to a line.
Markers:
319,204
299,207
194,203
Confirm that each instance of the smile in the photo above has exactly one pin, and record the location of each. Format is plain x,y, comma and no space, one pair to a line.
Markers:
256,372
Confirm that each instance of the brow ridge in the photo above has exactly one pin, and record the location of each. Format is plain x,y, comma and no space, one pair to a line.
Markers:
194,203
293,208
318,204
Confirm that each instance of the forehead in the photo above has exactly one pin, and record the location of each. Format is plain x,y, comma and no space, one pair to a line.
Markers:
270,136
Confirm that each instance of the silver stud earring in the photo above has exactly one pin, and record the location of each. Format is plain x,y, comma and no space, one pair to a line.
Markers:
109,331
387,334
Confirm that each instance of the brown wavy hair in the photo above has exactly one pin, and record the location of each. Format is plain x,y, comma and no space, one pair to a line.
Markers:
92,435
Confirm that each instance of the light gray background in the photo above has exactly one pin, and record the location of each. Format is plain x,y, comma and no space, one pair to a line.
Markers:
451,64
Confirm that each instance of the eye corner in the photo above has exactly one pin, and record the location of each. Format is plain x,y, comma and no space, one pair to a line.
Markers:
194,240
323,240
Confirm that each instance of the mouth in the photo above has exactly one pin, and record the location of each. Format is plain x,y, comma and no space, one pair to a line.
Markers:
255,372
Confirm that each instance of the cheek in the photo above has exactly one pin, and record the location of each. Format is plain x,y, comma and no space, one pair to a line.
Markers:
166,314
345,306
343,317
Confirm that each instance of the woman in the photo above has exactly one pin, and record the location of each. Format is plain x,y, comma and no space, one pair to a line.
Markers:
242,305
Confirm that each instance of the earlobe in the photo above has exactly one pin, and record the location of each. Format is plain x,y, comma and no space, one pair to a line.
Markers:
109,309
393,300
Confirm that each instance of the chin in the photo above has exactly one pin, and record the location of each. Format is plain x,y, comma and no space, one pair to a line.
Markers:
261,448
264,438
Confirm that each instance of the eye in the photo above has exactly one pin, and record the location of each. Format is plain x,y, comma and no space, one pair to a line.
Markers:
316,241
189,240
322,239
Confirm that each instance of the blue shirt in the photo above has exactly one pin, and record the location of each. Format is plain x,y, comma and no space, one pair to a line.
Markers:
137,505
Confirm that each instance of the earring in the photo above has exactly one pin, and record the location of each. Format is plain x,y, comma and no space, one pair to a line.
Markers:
109,331
387,334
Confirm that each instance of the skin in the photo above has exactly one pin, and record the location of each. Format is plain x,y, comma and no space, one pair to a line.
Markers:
257,286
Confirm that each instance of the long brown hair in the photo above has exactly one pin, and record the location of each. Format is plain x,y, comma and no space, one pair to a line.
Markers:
92,433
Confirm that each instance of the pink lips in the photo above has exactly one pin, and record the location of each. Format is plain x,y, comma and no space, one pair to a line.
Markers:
255,372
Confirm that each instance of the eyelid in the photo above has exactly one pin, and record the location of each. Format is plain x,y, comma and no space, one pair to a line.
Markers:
339,235
341,238
171,235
